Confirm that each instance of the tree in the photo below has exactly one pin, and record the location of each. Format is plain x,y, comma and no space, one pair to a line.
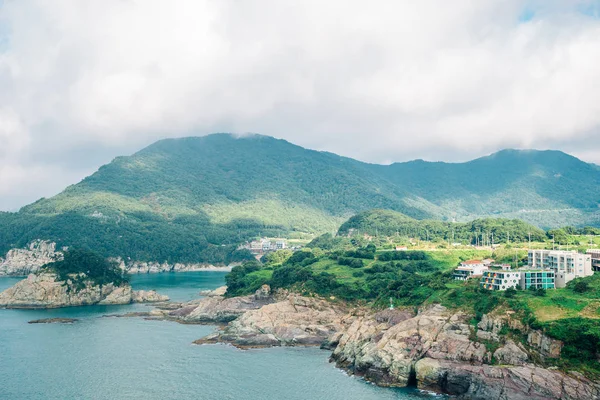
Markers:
581,286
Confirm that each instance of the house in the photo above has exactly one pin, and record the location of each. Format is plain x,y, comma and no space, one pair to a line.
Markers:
401,248
500,280
567,265
487,261
537,278
280,245
469,269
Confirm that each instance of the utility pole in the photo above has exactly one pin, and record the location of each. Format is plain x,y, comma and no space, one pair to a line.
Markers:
529,239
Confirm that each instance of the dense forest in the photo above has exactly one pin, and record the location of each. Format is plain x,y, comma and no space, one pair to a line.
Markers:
195,199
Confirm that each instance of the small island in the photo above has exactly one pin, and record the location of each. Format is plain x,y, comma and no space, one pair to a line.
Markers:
79,278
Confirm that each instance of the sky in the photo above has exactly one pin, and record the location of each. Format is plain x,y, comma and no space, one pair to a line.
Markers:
82,82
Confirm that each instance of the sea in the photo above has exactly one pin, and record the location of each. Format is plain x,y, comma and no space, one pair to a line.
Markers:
104,357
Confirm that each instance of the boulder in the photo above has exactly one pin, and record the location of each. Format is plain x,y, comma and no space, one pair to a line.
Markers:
511,354
220,291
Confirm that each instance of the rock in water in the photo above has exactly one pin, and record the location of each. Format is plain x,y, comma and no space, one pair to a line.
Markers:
220,291
45,291
54,321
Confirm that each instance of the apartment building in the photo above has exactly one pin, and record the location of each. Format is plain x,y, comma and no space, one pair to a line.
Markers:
595,254
567,265
537,278
500,280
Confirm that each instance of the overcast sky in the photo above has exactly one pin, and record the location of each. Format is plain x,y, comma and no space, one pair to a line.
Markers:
84,81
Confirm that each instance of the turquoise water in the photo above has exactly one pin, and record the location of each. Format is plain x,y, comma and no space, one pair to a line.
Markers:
131,358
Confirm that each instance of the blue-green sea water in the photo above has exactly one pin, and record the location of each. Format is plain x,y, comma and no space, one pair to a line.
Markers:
132,358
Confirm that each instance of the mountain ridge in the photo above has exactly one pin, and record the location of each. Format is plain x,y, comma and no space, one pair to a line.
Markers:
203,192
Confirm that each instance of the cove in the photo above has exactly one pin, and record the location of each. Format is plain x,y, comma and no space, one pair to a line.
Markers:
102,357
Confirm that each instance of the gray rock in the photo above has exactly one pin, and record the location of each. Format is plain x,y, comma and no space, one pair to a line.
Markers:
46,291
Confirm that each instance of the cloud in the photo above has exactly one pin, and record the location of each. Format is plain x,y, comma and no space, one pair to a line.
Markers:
380,81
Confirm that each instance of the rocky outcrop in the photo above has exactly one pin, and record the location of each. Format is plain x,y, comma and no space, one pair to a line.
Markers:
435,351
547,347
293,321
45,291
22,262
219,309
143,267
470,381
220,291
29,260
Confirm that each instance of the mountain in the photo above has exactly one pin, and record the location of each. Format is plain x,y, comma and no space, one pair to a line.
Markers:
194,199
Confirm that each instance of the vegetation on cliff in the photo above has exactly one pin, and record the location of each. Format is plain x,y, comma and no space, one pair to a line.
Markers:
95,268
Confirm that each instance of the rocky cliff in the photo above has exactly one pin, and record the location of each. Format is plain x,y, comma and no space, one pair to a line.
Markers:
436,350
22,262
143,267
45,291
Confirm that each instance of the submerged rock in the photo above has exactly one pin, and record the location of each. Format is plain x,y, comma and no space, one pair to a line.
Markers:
54,321
45,291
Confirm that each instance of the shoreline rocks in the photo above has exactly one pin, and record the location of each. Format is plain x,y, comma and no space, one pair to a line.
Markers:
45,291
22,262
29,260
436,350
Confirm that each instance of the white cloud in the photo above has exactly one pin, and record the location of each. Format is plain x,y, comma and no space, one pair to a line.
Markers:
380,81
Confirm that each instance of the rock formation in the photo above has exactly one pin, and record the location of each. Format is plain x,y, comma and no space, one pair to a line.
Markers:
45,291
219,309
293,321
21,262
435,351
143,267
220,291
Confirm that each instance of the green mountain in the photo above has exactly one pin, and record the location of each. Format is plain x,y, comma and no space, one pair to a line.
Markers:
194,199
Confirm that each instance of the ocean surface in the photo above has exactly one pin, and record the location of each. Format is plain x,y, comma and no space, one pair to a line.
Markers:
102,357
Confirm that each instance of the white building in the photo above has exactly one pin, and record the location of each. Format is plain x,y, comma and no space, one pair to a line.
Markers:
595,254
500,280
567,265
469,269
280,244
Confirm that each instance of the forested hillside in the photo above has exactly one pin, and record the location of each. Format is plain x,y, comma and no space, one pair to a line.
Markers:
392,223
194,199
